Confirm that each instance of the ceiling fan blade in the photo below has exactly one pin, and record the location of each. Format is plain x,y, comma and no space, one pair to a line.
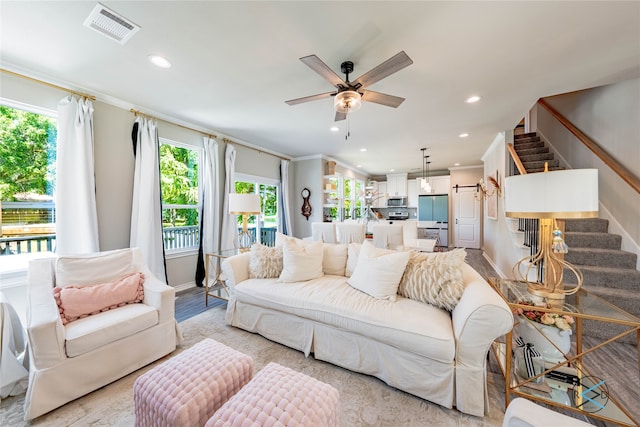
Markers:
310,98
388,67
382,98
323,69
340,116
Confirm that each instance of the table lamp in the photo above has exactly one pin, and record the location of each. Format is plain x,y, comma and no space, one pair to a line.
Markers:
549,196
244,204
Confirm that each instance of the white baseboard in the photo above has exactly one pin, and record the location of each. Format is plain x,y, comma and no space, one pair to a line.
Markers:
493,264
185,286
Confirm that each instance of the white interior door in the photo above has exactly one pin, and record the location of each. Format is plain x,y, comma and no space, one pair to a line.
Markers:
466,231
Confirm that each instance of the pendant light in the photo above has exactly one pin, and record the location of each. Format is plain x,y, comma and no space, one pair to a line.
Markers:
425,185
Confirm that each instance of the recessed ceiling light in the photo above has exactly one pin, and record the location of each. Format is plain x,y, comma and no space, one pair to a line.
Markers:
334,129
359,166
463,135
472,99
159,61
456,164
363,149
392,170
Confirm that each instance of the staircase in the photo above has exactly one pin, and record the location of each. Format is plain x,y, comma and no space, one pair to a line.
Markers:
534,153
608,271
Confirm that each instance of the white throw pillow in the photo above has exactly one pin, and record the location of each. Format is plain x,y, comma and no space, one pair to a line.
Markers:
353,252
435,278
334,260
379,271
265,262
301,260
91,269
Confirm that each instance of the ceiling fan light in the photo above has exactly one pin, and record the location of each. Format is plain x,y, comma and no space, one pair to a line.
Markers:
347,101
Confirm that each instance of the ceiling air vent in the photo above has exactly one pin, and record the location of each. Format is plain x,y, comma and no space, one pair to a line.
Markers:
111,24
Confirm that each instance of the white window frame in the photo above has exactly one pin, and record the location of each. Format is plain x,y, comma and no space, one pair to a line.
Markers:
257,180
13,267
189,250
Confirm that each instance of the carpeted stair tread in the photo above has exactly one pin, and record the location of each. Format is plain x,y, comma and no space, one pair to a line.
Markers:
608,277
541,169
540,164
600,257
625,300
596,225
526,135
528,151
538,157
582,239
528,145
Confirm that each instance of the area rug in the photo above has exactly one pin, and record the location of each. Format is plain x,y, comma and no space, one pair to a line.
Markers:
364,400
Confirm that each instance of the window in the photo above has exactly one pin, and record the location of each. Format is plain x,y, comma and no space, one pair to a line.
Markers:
180,182
268,190
27,179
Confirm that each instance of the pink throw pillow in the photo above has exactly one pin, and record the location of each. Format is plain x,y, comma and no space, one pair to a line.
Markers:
77,302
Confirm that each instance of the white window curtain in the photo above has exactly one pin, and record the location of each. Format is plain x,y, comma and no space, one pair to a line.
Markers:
76,217
210,216
284,218
229,230
146,209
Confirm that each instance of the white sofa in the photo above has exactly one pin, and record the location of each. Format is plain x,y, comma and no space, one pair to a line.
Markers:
69,361
437,355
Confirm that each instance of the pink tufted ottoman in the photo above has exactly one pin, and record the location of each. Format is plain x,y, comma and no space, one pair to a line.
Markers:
188,388
279,396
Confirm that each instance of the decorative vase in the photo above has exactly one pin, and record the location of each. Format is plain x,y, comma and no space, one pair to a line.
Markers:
541,336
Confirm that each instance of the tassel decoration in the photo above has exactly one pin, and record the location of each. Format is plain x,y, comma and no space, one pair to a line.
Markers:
558,245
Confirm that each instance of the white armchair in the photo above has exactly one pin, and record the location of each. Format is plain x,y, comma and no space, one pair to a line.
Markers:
388,236
69,361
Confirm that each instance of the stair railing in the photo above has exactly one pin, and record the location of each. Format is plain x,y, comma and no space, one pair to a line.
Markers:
625,174
528,226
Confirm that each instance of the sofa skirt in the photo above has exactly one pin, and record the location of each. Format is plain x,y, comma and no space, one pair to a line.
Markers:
415,374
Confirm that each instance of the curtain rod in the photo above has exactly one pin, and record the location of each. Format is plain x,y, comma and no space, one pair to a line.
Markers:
65,89
225,140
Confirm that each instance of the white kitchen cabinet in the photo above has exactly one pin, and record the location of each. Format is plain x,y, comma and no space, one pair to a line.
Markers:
412,193
439,185
397,184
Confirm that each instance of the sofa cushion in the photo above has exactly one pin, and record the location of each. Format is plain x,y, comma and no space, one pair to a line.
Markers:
379,271
93,332
434,278
334,260
265,262
301,260
90,269
75,302
353,252
407,324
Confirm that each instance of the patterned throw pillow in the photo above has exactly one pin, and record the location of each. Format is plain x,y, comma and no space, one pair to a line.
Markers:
77,302
265,262
434,278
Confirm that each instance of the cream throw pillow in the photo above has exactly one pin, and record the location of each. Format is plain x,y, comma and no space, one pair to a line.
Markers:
434,278
301,260
353,253
379,271
265,262
334,260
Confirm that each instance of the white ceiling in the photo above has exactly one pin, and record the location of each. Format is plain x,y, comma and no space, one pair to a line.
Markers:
235,63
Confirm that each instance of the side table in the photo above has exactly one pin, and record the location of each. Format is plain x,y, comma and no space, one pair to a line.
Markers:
218,284
567,383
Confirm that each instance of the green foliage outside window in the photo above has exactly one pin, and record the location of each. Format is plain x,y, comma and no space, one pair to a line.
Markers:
179,181
27,153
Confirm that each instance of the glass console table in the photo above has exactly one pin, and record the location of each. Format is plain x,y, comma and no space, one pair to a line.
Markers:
566,383
215,289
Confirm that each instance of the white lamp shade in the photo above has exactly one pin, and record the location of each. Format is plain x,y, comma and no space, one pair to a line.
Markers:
569,193
244,204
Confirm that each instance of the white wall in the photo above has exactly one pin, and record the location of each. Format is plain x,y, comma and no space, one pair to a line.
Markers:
609,115
114,164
